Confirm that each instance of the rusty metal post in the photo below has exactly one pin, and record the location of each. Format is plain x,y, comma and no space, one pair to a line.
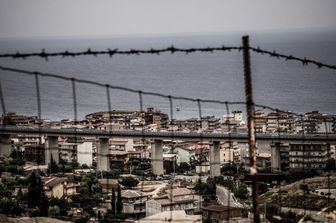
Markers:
250,125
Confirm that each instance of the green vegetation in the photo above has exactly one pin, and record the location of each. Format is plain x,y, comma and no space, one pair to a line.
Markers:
296,175
275,215
238,188
233,169
207,190
90,194
129,182
53,167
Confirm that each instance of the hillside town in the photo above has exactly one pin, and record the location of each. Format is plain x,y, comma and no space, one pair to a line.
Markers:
72,178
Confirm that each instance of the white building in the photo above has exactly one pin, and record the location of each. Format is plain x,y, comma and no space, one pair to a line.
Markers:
122,144
184,154
76,152
84,153
229,153
175,199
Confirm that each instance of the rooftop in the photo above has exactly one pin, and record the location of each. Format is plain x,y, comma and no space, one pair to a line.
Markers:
218,208
179,191
172,216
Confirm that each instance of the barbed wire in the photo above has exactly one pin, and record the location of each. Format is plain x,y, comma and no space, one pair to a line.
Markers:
172,49
89,52
106,87
304,60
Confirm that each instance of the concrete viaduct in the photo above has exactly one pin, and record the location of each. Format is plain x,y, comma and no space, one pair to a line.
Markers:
51,144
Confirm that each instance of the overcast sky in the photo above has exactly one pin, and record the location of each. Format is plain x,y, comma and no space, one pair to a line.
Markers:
56,18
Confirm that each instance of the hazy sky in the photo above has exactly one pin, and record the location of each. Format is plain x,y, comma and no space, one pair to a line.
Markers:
40,18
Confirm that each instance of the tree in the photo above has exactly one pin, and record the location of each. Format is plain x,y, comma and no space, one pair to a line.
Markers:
35,196
99,216
34,190
53,167
207,190
232,169
129,182
183,167
113,202
119,202
241,191
61,205
90,193
43,205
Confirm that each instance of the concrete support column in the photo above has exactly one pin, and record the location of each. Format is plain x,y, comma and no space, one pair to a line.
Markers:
5,145
157,157
275,157
51,148
103,163
215,159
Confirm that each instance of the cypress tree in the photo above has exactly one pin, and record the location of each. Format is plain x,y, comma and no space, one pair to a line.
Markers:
33,194
44,205
119,202
36,196
113,202
53,167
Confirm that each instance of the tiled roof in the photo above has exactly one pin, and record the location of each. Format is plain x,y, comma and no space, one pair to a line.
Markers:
54,181
130,194
179,191
218,208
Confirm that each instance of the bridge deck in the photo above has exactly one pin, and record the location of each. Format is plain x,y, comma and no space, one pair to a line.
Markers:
166,134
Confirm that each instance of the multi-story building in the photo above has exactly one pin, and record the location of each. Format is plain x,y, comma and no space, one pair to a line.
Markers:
14,119
134,203
312,156
184,154
154,116
175,199
229,152
299,156
231,122
76,152
280,121
210,123
260,120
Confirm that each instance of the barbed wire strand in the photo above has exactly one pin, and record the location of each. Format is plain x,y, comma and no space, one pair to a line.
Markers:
73,80
172,49
304,60
109,52
90,82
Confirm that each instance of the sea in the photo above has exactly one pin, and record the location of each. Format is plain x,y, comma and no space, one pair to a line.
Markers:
281,84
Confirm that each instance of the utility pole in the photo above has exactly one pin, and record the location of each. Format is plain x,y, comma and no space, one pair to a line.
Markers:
250,125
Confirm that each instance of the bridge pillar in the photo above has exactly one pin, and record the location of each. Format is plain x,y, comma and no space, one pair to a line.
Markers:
5,144
275,157
157,157
215,159
103,162
51,148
